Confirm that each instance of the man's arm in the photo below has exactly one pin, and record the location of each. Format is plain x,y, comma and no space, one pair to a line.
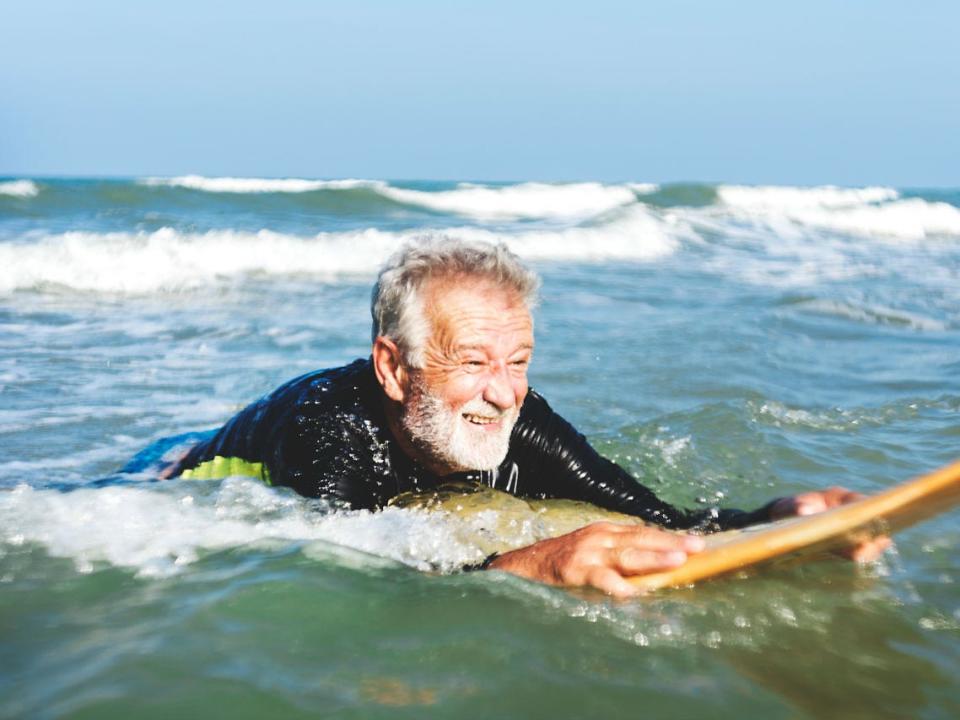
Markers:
556,461
603,555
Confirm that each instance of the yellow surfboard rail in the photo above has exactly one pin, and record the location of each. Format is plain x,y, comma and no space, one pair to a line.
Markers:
842,526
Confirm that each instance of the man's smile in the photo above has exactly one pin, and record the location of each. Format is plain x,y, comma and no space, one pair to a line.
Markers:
482,419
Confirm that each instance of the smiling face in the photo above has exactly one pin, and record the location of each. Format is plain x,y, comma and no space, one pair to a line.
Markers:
460,407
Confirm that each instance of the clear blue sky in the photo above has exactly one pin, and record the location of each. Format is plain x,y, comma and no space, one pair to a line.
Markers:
834,91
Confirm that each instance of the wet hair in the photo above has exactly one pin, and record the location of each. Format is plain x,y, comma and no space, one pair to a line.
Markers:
396,303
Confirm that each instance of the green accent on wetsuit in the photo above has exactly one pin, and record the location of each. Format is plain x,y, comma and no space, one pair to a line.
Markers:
221,467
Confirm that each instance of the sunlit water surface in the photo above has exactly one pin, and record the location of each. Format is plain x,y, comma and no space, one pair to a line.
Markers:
725,344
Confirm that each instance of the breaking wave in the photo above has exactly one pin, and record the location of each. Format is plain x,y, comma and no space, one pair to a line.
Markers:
526,200
785,198
256,185
873,211
879,213
152,235
19,188
486,202
159,529
167,259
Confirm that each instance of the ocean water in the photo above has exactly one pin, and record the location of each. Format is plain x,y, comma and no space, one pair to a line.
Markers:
726,344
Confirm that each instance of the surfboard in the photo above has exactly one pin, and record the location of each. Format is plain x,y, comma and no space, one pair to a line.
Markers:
882,514
494,521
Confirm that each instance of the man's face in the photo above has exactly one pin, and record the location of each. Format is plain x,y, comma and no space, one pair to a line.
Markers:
462,405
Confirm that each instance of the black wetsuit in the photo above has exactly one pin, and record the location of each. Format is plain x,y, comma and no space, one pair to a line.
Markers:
325,435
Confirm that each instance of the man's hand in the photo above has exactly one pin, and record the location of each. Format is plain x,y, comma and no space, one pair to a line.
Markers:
601,555
815,502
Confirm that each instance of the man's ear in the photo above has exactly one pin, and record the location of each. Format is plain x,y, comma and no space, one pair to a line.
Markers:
389,368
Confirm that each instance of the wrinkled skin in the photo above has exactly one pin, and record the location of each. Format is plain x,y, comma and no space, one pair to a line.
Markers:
479,349
601,555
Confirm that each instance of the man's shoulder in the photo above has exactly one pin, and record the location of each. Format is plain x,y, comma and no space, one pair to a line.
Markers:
538,425
315,397
328,386
321,409
534,406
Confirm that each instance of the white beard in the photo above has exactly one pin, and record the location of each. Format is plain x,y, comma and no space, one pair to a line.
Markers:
452,441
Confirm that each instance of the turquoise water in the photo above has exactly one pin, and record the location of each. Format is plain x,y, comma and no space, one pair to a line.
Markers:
726,344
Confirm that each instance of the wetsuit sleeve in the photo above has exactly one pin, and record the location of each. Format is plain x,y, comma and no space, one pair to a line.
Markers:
557,461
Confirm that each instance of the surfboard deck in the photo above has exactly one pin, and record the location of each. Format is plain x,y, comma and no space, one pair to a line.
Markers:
495,521
882,514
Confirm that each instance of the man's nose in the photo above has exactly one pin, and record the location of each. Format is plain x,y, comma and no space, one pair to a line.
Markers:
499,389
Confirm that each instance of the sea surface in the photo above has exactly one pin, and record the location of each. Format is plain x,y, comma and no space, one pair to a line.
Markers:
726,344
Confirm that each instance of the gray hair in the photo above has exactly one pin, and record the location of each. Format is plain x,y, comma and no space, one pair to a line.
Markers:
396,304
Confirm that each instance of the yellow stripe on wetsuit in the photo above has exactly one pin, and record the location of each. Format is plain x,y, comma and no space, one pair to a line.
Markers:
221,467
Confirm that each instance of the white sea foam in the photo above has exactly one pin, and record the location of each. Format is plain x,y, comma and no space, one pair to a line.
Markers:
876,212
19,188
166,259
526,200
170,260
256,185
835,419
156,530
672,448
636,234
780,415
874,314
785,260
912,219
785,198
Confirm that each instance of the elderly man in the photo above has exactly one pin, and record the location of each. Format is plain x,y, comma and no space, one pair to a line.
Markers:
444,397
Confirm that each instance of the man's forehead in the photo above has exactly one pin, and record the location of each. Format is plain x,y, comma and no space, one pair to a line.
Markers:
443,285
468,312
523,344
463,294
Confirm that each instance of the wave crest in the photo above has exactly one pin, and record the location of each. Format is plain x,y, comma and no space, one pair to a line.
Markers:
871,211
167,259
912,219
776,197
523,201
19,188
158,530
484,202
256,185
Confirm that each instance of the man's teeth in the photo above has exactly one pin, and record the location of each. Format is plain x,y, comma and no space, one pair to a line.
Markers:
480,419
